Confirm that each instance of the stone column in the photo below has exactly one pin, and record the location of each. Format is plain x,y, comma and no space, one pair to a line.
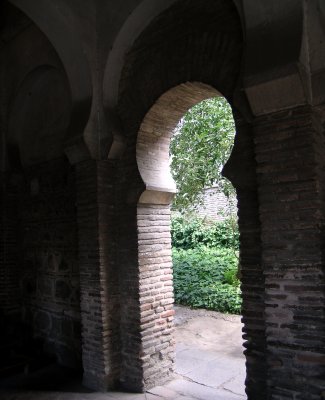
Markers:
99,283
290,150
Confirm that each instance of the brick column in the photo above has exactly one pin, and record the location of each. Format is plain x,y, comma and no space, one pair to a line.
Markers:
145,267
99,284
156,293
241,171
290,152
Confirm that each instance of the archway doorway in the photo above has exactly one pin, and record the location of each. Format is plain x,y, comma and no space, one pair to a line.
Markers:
153,217
204,231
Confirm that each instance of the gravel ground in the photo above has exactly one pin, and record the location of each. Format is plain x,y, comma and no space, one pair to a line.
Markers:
185,314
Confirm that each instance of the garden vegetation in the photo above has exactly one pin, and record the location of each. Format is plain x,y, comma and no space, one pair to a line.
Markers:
205,256
205,260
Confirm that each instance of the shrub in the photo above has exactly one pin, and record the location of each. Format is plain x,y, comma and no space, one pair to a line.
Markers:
194,232
205,277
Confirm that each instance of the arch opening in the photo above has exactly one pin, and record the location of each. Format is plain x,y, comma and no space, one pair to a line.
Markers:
154,226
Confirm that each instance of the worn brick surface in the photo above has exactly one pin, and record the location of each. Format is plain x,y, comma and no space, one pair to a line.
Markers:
99,288
49,269
241,170
9,245
116,252
156,293
290,167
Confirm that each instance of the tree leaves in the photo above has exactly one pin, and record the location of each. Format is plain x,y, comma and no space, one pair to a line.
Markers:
199,148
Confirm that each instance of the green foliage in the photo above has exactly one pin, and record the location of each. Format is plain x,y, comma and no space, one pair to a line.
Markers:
205,277
231,277
188,233
205,256
199,148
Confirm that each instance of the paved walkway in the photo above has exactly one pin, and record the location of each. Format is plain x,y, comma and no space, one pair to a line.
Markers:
209,364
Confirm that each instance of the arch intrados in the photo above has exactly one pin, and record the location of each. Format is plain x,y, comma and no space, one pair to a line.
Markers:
136,23
30,98
153,140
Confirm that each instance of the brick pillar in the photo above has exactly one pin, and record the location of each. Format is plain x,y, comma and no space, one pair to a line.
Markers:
147,306
131,377
145,267
9,251
156,293
290,152
99,284
241,171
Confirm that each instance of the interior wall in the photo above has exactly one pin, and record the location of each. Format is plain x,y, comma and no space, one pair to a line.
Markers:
49,269
39,257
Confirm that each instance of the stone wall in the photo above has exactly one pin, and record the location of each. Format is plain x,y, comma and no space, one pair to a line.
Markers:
216,206
49,277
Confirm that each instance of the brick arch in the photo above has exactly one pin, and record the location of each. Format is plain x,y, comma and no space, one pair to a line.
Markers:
155,272
144,18
154,137
190,42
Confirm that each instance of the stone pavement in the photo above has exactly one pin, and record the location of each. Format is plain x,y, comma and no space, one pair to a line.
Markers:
209,365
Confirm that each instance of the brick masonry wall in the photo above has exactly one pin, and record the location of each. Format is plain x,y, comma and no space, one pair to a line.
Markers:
9,246
210,53
290,156
49,270
99,277
129,187
144,260
156,293
216,206
241,171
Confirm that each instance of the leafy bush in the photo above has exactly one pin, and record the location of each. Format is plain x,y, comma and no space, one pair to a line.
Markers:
206,277
193,232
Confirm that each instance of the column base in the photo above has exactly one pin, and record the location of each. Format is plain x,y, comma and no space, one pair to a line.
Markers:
99,383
